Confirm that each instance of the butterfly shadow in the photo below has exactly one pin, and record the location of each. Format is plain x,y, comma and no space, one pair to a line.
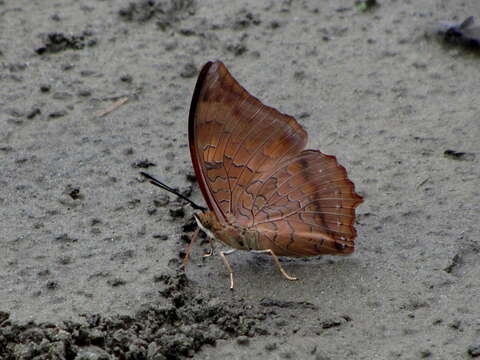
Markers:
256,276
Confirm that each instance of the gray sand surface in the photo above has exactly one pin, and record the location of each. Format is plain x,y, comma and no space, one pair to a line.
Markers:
83,234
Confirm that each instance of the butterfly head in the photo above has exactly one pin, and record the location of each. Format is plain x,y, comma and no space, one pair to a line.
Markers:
207,222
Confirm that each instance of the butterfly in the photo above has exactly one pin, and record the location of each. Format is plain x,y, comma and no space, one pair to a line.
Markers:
265,193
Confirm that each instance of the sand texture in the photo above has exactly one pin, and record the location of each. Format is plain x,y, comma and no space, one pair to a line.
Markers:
90,253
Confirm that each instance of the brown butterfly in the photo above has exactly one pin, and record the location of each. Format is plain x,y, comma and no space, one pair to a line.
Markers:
264,192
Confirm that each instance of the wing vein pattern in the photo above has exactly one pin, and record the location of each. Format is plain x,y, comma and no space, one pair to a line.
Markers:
254,173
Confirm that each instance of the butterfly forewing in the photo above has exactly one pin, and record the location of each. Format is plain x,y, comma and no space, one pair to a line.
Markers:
253,171
234,138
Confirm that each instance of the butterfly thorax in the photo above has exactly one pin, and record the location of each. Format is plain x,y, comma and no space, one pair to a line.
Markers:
235,236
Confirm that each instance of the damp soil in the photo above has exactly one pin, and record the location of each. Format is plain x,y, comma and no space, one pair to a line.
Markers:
175,330
91,253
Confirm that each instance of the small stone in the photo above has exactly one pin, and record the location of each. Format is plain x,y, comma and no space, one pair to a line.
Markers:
67,67
64,260
474,350
74,193
43,273
191,177
274,25
87,73
161,200
425,354
65,238
459,155
62,95
126,78
84,93
237,49
189,70
4,316
95,222
288,355
177,213
45,88
455,324
34,112
243,340
187,32
52,285
116,282
92,353
190,226
143,164
57,114
153,352
321,357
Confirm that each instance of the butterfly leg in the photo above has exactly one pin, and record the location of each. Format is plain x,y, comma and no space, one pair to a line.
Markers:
189,247
212,248
227,264
275,258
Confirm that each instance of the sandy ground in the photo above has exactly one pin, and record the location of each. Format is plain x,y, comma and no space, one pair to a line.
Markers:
82,234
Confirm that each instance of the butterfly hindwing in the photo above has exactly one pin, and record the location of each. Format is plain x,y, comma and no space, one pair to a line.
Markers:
309,207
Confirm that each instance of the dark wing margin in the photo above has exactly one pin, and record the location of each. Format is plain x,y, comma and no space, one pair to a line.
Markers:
197,165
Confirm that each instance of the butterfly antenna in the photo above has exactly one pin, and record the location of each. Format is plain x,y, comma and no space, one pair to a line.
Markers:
169,189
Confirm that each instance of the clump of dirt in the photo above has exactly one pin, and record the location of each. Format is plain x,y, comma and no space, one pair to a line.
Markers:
165,12
57,42
459,155
173,331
